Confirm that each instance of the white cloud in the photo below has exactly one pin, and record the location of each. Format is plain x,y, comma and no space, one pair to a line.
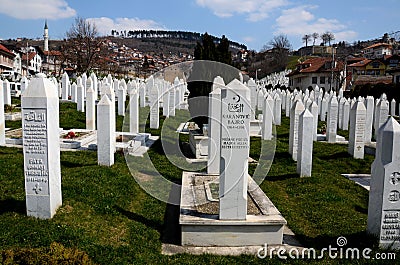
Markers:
255,10
36,9
105,25
299,20
248,39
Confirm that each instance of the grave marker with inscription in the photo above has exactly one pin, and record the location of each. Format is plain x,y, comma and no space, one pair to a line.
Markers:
40,126
357,129
154,108
235,145
331,124
384,195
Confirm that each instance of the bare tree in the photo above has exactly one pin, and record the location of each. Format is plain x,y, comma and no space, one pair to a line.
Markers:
315,36
327,37
280,48
82,45
306,38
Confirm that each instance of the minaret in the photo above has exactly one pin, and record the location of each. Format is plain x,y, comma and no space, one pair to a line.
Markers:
46,37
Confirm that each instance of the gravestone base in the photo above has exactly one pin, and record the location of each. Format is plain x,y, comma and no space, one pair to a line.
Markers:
255,128
201,227
198,144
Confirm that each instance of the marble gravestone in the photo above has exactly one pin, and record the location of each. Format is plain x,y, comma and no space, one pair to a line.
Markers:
134,112
41,148
358,116
7,92
235,145
268,117
295,112
384,195
370,105
331,124
154,107
214,127
90,107
105,132
305,145
65,86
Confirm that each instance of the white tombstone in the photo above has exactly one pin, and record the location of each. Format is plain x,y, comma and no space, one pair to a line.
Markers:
314,111
105,132
370,105
260,99
214,127
171,99
305,145
331,124
154,108
384,195
65,86
382,114
346,116
90,107
89,84
165,97
393,107
42,169
341,103
94,84
357,129
235,145
287,103
134,112
268,117
7,92
80,97
277,110
74,88
295,112
84,80
121,101
251,84
142,95
324,108
2,118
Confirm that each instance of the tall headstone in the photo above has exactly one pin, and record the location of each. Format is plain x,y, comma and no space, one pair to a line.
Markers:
121,101
171,100
105,132
154,108
142,95
370,105
277,110
357,129
314,111
324,108
268,117
25,83
7,92
393,107
90,107
382,114
251,84
235,145
65,86
80,97
331,124
305,146
134,112
295,112
346,116
214,127
287,103
384,195
42,168
2,118
341,103
165,97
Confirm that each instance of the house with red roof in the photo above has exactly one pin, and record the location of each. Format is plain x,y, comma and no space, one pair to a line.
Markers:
6,59
322,71
377,50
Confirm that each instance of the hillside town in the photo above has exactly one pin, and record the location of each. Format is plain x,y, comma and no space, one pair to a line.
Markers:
329,66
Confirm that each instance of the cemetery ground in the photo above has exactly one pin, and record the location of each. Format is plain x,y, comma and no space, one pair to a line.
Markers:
106,218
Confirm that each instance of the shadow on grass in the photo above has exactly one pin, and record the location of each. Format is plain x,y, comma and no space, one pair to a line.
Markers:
335,156
69,164
282,177
172,231
283,155
139,218
12,206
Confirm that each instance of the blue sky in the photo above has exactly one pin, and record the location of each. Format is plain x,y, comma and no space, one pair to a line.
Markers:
251,22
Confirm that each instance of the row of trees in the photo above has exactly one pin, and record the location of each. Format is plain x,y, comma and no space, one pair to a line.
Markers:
326,38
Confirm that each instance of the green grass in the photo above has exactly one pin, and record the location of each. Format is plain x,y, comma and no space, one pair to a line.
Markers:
107,218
